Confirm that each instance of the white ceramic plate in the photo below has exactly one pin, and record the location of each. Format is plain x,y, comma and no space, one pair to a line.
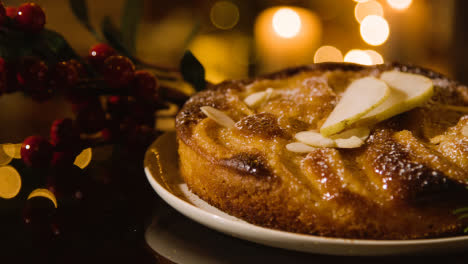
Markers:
161,167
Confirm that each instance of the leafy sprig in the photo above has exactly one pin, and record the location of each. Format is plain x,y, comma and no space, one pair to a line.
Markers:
123,39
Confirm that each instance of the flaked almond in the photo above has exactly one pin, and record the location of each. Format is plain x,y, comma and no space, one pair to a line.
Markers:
464,131
218,116
314,139
258,97
299,147
352,142
360,132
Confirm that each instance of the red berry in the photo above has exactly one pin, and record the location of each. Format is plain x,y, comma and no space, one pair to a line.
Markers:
119,71
117,106
80,69
33,75
64,75
32,72
79,102
146,85
64,134
11,11
3,14
36,151
30,17
111,131
99,53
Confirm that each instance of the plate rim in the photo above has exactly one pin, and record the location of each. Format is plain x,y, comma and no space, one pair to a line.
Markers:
201,216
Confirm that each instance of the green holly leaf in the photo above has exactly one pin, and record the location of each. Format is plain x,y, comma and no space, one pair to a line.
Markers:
129,25
80,10
113,36
57,45
192,71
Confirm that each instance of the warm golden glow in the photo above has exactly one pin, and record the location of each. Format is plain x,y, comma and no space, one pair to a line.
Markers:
399,4
367,8
374,30
224,15
360,1
376,58
328,54
12,150
275,51
212,51
10,182
4,157
286,23
358,56
84,158
45,193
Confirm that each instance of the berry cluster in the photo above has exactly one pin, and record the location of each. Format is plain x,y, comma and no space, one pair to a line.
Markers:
28,17
113,103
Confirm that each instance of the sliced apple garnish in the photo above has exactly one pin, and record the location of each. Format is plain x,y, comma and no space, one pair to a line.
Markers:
299,147
218,116
314,139
407,92
352,142
258,97
361,96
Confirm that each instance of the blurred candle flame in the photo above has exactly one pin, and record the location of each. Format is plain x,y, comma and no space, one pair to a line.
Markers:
286,36
286,23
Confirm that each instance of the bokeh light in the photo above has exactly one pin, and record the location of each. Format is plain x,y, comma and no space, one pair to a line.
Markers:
84,158
399,4
10,182
358,56
376,58
367,8
212,51
13,150
4,157
274,50
224,15
328,54
286,23
374,30
45,193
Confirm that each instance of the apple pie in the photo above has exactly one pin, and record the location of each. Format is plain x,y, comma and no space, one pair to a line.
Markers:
332,149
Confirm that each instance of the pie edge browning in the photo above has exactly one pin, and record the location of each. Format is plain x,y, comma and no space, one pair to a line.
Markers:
248,194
